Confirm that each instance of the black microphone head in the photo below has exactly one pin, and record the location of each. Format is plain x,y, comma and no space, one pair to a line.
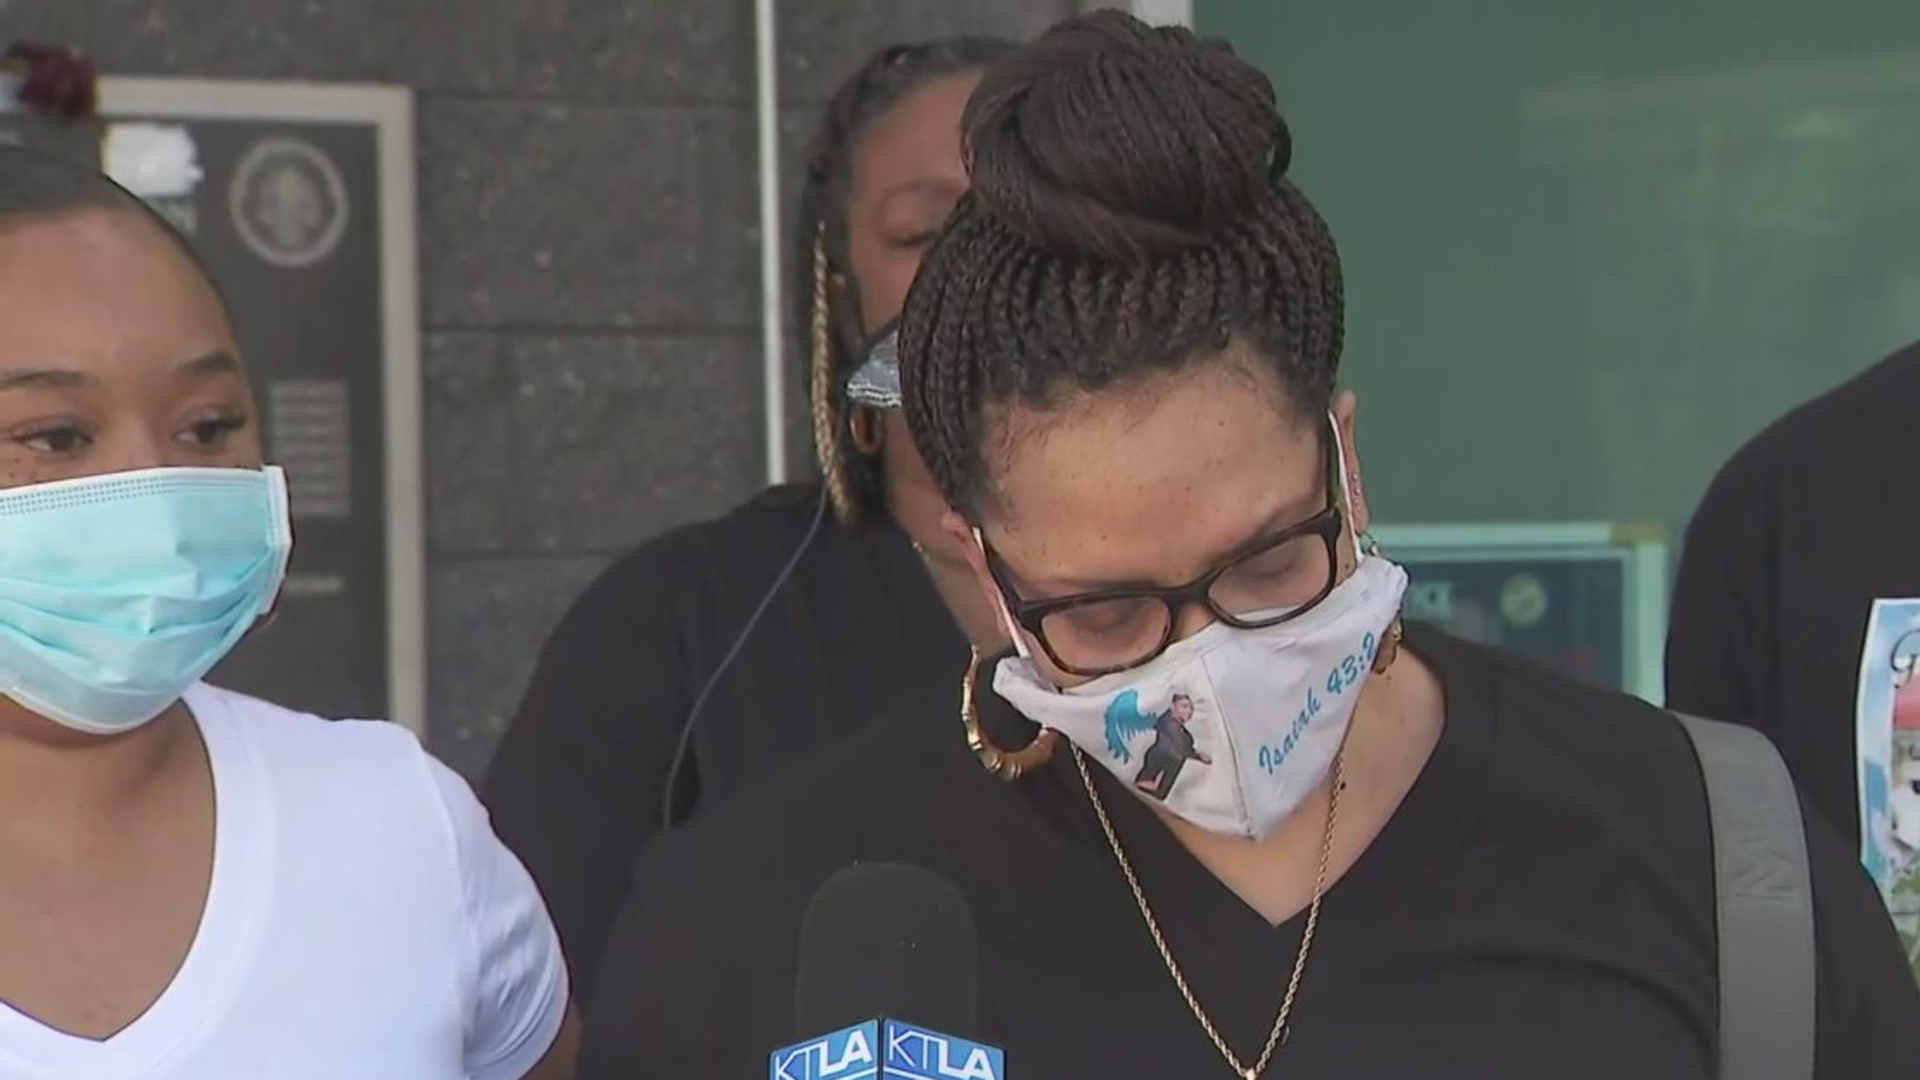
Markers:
887,939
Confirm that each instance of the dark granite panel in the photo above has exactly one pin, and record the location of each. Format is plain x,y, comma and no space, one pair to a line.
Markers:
47,22
549,216
472,468
630,53
405,41
585,443
624,437
489,618
822,43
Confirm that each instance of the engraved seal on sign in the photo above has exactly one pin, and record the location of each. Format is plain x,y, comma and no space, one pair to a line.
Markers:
1523,600
289,202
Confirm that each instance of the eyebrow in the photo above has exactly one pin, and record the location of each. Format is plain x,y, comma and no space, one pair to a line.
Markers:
1281,518
43,379
205,367
920,187
54,378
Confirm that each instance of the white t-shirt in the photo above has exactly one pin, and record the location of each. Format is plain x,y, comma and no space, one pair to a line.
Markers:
363,923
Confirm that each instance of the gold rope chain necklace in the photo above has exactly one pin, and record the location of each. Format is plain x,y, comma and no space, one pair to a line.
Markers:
1254,1071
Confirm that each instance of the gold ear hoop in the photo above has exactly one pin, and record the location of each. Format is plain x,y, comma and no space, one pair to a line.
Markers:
1389,649
863,426
826,429
1396,632
1008,765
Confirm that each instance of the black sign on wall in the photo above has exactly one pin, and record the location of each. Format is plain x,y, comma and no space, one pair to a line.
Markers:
300,199
1587,599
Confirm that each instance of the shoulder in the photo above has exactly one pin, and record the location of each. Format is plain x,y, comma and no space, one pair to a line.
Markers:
366,785
301,748
1858,410
1801,449
675,576
897,791
1621,783
718,904
1603,756
427,867
1540,697
860,798
765,528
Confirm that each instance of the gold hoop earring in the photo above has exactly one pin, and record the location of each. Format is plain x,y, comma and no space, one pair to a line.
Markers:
1008,765
863,427
1389,650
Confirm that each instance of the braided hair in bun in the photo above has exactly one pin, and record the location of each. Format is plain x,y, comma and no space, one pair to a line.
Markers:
1129,214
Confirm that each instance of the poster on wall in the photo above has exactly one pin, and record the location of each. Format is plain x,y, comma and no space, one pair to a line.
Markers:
1887,733
300,199
1587,599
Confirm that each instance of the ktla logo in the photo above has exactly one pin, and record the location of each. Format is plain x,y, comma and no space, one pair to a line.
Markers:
918,1054
887,1050
844,1055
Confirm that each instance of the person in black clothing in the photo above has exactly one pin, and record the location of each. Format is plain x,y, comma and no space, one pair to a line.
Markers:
593,765
1172,748
1410,857
1801,531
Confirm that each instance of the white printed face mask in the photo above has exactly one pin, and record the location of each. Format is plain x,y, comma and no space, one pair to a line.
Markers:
1231,729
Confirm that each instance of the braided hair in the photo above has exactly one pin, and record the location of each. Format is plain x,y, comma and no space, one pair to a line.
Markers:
1129,214
889,75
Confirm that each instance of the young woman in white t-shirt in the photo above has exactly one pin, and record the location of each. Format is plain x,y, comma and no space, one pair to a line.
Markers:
196,885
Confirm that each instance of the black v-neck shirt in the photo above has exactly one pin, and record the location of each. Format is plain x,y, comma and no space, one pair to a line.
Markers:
1540,905
576,785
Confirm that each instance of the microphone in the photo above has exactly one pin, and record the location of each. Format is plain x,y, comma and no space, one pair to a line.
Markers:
889,969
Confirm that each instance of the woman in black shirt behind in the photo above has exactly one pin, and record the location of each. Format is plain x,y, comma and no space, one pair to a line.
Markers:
581,780
1382,859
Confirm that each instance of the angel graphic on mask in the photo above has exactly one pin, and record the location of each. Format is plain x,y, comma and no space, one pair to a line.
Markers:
1173,743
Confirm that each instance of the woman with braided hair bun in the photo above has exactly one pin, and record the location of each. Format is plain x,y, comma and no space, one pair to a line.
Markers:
1386,853
716,654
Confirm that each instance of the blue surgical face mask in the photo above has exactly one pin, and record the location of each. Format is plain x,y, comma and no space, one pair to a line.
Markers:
120,591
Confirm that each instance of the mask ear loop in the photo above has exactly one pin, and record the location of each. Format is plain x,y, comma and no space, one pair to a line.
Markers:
1362,546
281,503
1008,765
1000,605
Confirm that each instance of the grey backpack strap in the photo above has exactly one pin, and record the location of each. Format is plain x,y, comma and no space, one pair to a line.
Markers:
1765,895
